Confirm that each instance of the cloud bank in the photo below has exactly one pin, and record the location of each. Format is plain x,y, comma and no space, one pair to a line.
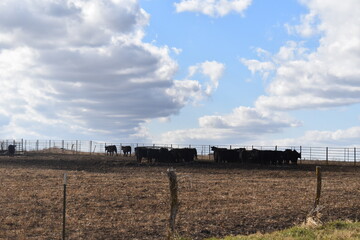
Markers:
80,69
243,124
329,76
298,78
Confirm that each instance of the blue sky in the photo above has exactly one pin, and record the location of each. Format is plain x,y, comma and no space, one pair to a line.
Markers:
241,72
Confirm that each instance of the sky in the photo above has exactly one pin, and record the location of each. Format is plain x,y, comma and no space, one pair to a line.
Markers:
246,72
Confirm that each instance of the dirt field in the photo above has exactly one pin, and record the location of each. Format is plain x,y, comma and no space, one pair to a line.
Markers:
116,198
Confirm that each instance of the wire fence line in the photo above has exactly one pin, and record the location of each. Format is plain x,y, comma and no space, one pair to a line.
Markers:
342,154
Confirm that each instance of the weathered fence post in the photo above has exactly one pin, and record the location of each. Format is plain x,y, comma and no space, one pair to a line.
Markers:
318,187
64,208
90,147
327,155
174,203
313,217
354,156
209,152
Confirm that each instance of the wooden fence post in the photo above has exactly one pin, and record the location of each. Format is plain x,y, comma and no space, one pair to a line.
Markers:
354,156
209,152
314,215
174,203
327,155
90,147
64,208
318,187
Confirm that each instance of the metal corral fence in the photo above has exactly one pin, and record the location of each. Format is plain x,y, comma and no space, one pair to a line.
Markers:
339,154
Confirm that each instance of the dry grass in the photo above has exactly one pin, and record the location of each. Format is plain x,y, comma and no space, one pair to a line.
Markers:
115,198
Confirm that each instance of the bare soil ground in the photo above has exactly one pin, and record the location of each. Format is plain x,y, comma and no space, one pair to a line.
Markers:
116,198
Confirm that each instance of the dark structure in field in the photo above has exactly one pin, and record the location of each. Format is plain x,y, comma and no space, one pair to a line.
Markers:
126,150
111,149
172,155
255,156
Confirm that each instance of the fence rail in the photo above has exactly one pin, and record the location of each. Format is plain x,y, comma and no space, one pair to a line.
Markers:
342,154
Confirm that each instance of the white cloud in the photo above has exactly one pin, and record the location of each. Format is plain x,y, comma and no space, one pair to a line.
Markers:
213,8
329,75
177,51
243,124
256,66
80,67
185,91
193,91
308,26
212,69
337,138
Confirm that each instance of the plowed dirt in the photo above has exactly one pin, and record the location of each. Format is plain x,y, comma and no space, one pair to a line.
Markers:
113,197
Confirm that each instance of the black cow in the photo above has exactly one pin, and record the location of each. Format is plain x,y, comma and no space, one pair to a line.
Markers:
271,157
141,152
153,154
291,156
250,156
190,154
219,154
11,150
166,156
111,149
126,150
183,154
176,154
226,155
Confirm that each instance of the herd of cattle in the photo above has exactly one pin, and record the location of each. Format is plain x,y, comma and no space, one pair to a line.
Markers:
238,155
256,156
221,155
156,154
112,149
165,155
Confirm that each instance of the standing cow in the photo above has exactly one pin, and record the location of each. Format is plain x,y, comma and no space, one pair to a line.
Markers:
126,150
140,153
291,156
111,149
11,150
